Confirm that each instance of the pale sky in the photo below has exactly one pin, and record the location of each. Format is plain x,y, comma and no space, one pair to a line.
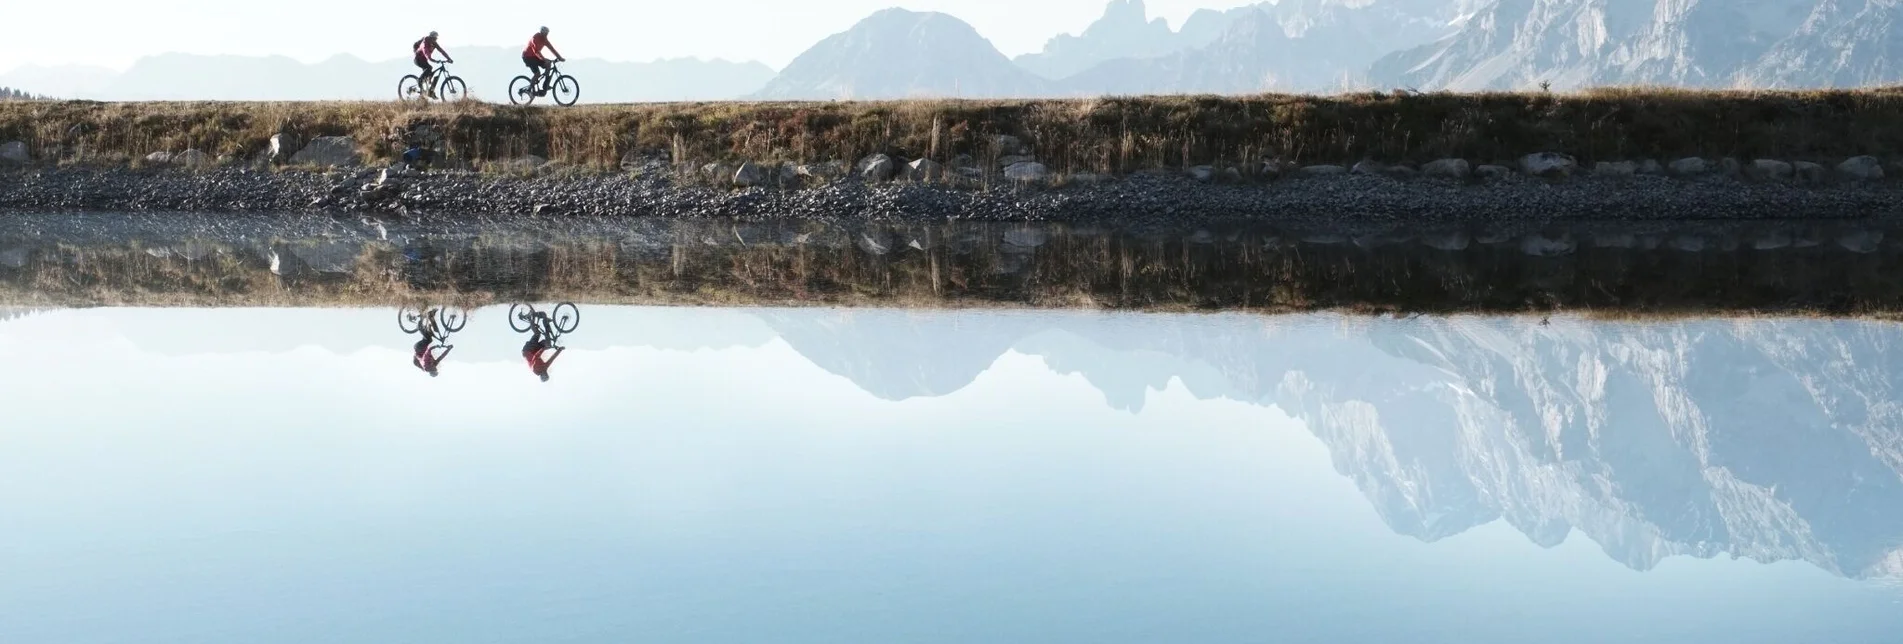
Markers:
114,33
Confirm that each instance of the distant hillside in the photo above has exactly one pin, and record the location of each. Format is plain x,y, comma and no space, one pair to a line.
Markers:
897,53
486,69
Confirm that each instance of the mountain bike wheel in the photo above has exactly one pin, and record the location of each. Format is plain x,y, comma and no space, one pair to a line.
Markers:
567,317
409,88
567,91
522,91
409,319
452,320
520,317
452,90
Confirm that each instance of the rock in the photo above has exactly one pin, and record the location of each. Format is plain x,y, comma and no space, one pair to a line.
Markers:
1862,243
1452,241
1543,246
1651,168
716,172
1231,174
1730,167
1551,165
750,174
1772,170
1014,159
878,167
1273,168
158,158
1026,237
1010,145
1369,168
1030,171
1808,172
1493,172
192,159
1202,173
1457,169
1865,168
526,163
789,173
279,149
329,152
1324,170
1690,167
14,153
924,170
1615,169
828,171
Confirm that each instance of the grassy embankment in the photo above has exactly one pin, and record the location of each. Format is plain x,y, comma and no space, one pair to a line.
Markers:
1108,135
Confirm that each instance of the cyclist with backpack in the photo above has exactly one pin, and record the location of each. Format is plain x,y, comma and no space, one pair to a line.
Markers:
425,51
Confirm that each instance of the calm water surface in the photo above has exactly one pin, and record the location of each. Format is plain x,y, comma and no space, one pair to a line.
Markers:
762,475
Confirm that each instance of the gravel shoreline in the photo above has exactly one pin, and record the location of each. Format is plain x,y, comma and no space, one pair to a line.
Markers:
1137,199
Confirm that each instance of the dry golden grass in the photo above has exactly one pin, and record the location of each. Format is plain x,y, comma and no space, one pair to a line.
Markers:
1113,134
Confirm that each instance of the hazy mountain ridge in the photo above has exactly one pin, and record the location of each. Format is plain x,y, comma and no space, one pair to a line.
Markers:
897,53
1754,439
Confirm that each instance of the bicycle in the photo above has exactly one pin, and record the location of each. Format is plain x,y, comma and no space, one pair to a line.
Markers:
524,318
440,321
524,90
445,87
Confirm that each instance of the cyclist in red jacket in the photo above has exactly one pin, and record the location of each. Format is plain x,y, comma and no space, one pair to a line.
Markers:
536,62
425,51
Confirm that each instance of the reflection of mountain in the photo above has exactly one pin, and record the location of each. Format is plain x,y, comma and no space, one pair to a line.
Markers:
1766,440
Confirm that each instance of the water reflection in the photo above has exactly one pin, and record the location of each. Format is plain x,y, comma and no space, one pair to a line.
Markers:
541,350
1320,478
434,325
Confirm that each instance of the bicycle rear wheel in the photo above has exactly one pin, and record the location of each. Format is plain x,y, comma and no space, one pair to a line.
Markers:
567,91
567,317
520,317
453,90
522,90
409,319
409,88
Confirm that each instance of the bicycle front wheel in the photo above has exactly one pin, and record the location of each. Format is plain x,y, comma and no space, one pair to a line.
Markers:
409,88
567,317
521,317
567,91
522,90
452,320
453,90
409,319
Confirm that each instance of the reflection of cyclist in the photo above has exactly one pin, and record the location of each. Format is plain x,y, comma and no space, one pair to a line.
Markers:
425,50
426,355
536,62
537,350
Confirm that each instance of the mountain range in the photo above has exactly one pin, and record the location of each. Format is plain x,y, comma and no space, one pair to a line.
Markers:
1283,46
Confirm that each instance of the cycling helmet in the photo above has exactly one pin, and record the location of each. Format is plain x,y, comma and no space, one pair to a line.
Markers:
432,34
545,31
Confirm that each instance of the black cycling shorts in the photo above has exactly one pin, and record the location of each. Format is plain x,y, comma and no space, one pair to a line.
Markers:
534,63
422,62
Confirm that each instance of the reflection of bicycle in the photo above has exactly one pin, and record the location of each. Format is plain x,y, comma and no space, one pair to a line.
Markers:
524,90
439,321
443,86
524,318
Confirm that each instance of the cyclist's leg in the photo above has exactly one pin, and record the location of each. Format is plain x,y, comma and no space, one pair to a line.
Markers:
423,79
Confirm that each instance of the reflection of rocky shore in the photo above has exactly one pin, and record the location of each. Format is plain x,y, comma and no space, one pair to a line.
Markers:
1836,268
1762,440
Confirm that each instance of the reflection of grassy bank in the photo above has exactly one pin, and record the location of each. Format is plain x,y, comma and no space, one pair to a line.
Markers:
804,263
1102,135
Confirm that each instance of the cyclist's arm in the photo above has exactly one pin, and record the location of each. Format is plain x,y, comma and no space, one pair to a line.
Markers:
446,57
557,52
551,359
445,353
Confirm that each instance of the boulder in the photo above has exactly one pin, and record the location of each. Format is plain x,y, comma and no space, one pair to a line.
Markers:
1027,172
1010,145
1772,170
328,151
1457,169
789,173
1651,167
1085,178
14,153
1231,174
828,171
525,163
1009,160
158,158
1865,168
1551,165
279,150
1690,167
1615,169
924,170
1324,170
1273,168
1369,168
878,167
1493,172
1730,167
1808,172
750,174
192,159
1202,173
